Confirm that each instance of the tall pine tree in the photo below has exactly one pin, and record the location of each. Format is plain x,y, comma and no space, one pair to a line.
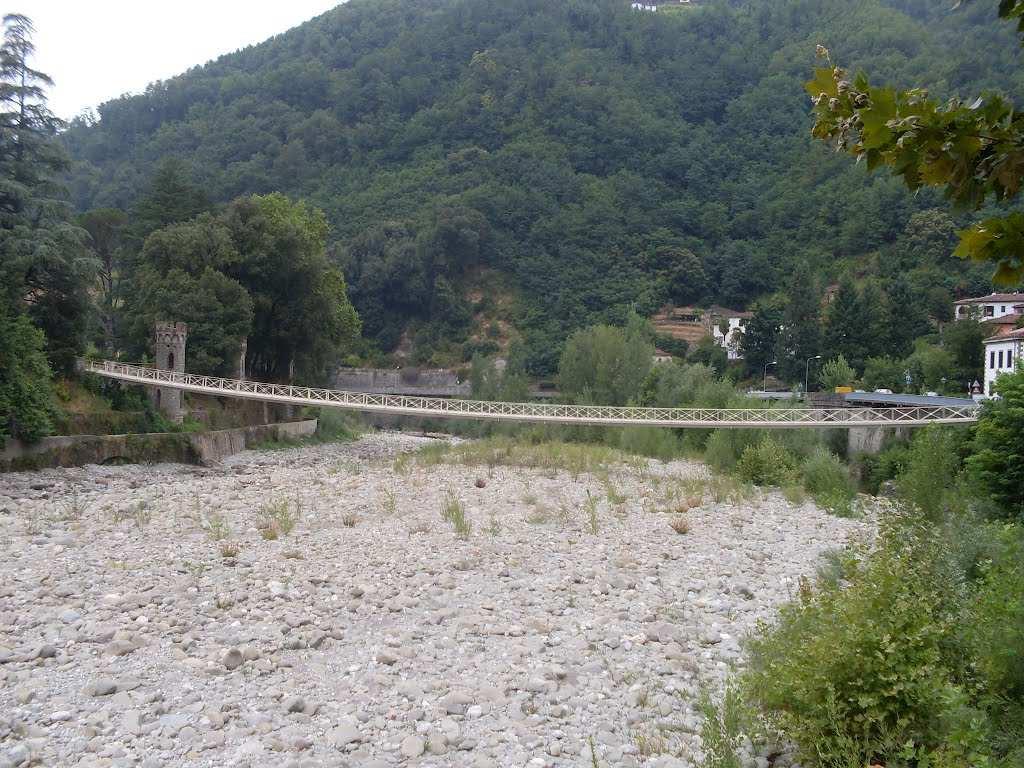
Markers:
44,268
847,326
800,337
908,317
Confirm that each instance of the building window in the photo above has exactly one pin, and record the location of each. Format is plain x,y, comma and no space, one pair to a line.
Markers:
1000,358
990,310
1002,309
991,359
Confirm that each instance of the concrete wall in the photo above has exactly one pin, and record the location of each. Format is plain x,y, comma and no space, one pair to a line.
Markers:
175,447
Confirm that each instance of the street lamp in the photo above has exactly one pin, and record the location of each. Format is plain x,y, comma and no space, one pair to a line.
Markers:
764,386
807,370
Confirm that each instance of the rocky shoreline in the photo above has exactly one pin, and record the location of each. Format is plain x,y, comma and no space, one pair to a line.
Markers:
310,607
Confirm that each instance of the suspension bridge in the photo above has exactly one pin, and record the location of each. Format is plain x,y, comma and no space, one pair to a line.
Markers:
782,417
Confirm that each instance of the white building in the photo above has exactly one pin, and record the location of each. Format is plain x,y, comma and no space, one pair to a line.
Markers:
733,333
1002,355
991,307
643,7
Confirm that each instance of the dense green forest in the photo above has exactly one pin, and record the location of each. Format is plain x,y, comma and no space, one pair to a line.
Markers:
552,164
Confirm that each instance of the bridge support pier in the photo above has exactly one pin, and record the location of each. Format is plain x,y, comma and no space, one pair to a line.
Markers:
169,354
872,439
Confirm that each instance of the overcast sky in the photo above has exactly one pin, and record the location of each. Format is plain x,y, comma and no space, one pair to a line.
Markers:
96,50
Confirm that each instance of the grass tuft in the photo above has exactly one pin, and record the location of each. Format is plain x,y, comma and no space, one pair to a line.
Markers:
454,512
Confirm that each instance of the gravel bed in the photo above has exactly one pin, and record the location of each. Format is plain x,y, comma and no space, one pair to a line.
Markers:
147,619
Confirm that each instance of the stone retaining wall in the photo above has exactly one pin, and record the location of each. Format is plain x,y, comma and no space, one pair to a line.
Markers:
175,447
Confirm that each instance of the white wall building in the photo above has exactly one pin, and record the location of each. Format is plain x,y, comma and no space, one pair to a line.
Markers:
730,340
990,307
1002,355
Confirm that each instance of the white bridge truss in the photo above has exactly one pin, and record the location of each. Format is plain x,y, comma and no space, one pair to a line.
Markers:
607,415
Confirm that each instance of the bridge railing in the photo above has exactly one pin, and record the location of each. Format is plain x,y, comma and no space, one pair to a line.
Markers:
439,407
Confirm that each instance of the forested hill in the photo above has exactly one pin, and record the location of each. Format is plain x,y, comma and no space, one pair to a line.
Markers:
577,148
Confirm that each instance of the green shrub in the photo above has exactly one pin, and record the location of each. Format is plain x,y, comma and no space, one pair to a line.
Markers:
883,467
650,441
725,446
994,635
27,407
855,670
997,464
836,373
334,425
930,475
766,463
828,481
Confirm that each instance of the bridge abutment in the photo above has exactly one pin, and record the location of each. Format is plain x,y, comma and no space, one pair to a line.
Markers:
872,439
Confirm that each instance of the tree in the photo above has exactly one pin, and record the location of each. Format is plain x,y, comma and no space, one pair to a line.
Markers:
106,228
708,352
908,318
964,342
975,151
172,198
996,463
26,395
931,368
878,319
800,337
216,308
302,318
848,325
604,365
44,269
883,373
837,373
682,273
759,342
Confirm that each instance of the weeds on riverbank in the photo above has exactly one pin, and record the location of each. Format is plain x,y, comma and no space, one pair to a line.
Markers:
276,519
453,512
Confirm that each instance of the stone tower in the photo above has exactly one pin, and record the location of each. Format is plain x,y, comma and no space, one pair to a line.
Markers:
169,354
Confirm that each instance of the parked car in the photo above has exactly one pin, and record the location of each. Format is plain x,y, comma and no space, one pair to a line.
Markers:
883,391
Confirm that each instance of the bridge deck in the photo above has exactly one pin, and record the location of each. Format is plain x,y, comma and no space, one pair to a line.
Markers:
433,407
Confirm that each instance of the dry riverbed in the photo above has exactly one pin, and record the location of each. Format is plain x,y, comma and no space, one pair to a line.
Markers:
149,616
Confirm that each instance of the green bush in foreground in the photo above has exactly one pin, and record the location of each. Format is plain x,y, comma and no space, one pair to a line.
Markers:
855,670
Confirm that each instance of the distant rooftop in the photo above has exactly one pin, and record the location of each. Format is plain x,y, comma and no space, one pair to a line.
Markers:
1010,336
877,398
1007,297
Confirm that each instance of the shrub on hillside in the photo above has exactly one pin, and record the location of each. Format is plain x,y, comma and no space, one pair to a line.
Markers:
766,463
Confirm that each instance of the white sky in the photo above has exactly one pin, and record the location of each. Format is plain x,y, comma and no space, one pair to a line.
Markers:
96,50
